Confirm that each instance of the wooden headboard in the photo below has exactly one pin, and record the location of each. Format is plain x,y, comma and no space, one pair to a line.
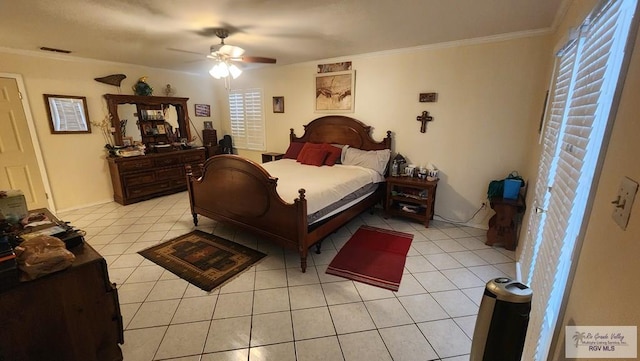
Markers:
337,129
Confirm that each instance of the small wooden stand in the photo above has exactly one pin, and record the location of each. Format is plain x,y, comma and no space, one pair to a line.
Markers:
503,225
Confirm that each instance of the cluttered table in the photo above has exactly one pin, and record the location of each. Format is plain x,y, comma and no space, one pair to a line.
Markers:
72,313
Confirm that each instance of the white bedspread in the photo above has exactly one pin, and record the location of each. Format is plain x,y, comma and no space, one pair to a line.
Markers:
323,185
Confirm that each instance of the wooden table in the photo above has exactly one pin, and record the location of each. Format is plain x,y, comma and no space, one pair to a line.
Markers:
72,314
503,225
410,193
271,156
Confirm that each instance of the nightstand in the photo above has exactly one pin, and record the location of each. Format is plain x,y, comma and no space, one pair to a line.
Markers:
271,156
410,197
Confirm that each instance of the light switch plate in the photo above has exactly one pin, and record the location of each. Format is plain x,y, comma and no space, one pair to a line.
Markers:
624,202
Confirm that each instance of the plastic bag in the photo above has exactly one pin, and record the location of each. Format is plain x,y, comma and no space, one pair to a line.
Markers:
42,255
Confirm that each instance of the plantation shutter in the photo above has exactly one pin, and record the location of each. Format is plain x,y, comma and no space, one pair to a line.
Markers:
599,60
247,120
563,81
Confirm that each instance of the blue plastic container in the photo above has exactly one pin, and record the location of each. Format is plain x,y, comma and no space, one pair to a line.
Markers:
511,188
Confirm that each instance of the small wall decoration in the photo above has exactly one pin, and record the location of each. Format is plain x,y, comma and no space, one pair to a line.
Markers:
161,129
335,92
202,110
278,104
330,68
428,97
424,118
208,125
67,114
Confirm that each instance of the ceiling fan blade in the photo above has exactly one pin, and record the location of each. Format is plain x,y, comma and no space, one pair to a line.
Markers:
255,59
186,51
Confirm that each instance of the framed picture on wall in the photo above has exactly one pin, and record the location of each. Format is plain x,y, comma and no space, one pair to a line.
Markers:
67,114
278,104
203,110
335,92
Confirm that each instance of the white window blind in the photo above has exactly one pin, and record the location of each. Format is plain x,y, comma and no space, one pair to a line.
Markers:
546,169
596,72
247,119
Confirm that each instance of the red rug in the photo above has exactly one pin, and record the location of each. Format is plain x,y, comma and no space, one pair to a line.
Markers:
373,256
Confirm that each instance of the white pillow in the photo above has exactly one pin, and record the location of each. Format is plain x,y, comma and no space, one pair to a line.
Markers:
373,159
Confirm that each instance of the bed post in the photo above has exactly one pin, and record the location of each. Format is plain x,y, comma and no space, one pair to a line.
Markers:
301,223
189,172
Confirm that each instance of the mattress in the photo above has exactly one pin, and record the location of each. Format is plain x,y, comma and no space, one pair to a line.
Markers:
326,188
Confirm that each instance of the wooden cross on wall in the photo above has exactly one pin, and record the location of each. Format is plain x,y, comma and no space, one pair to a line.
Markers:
424,118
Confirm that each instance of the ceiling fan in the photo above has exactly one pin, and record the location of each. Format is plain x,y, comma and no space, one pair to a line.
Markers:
225,55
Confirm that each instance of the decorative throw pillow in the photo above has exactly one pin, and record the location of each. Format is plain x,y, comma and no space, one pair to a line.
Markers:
306,148
334,154
314,156
373,159
293,150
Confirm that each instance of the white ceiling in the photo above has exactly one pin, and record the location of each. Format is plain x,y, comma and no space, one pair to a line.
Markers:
147,32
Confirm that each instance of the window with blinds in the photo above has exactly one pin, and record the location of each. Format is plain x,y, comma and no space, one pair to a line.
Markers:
247,119
585,82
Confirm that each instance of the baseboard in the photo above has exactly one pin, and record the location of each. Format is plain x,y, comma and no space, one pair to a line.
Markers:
84,206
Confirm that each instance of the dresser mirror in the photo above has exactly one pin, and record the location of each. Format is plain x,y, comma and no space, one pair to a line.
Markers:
148,119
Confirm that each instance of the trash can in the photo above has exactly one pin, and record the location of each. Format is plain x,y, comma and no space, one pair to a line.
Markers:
502,321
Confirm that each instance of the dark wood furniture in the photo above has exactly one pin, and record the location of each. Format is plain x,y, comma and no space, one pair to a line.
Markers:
72,314
148,103
143,177
209,137
271,156
411,197
240,192
503,225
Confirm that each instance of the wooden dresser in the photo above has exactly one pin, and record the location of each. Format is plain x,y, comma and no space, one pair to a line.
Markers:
70,315
143,177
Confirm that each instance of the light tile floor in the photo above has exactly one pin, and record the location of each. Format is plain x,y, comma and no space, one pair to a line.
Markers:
275,312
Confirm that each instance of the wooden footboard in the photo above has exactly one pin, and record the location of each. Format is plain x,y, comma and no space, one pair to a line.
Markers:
239,191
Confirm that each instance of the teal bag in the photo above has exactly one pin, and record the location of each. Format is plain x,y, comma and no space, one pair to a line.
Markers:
496,187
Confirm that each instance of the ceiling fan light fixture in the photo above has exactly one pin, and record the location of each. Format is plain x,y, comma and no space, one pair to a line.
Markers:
220,70
235,71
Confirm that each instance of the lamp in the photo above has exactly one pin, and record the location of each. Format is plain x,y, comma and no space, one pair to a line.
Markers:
223,69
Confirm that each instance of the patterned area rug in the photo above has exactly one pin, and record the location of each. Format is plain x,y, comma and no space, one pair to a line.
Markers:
374,256
203,259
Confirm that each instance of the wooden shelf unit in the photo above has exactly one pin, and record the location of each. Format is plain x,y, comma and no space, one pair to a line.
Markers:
415,193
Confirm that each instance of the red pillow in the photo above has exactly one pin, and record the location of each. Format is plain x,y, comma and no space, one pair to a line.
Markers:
306,148
293,150
334,154
315,157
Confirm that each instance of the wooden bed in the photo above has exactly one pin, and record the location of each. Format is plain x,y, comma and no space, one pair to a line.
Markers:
240,192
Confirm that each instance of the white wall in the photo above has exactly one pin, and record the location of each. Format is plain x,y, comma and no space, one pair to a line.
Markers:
76,164
490,98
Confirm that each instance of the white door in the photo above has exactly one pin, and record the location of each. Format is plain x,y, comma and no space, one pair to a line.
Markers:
18,163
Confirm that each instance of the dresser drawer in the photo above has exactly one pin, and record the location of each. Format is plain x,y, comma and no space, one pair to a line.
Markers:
193,158
133,165
170,173
139,178
144,190
166,161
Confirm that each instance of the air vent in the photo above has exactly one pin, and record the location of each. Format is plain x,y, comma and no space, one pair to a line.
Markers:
55,50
